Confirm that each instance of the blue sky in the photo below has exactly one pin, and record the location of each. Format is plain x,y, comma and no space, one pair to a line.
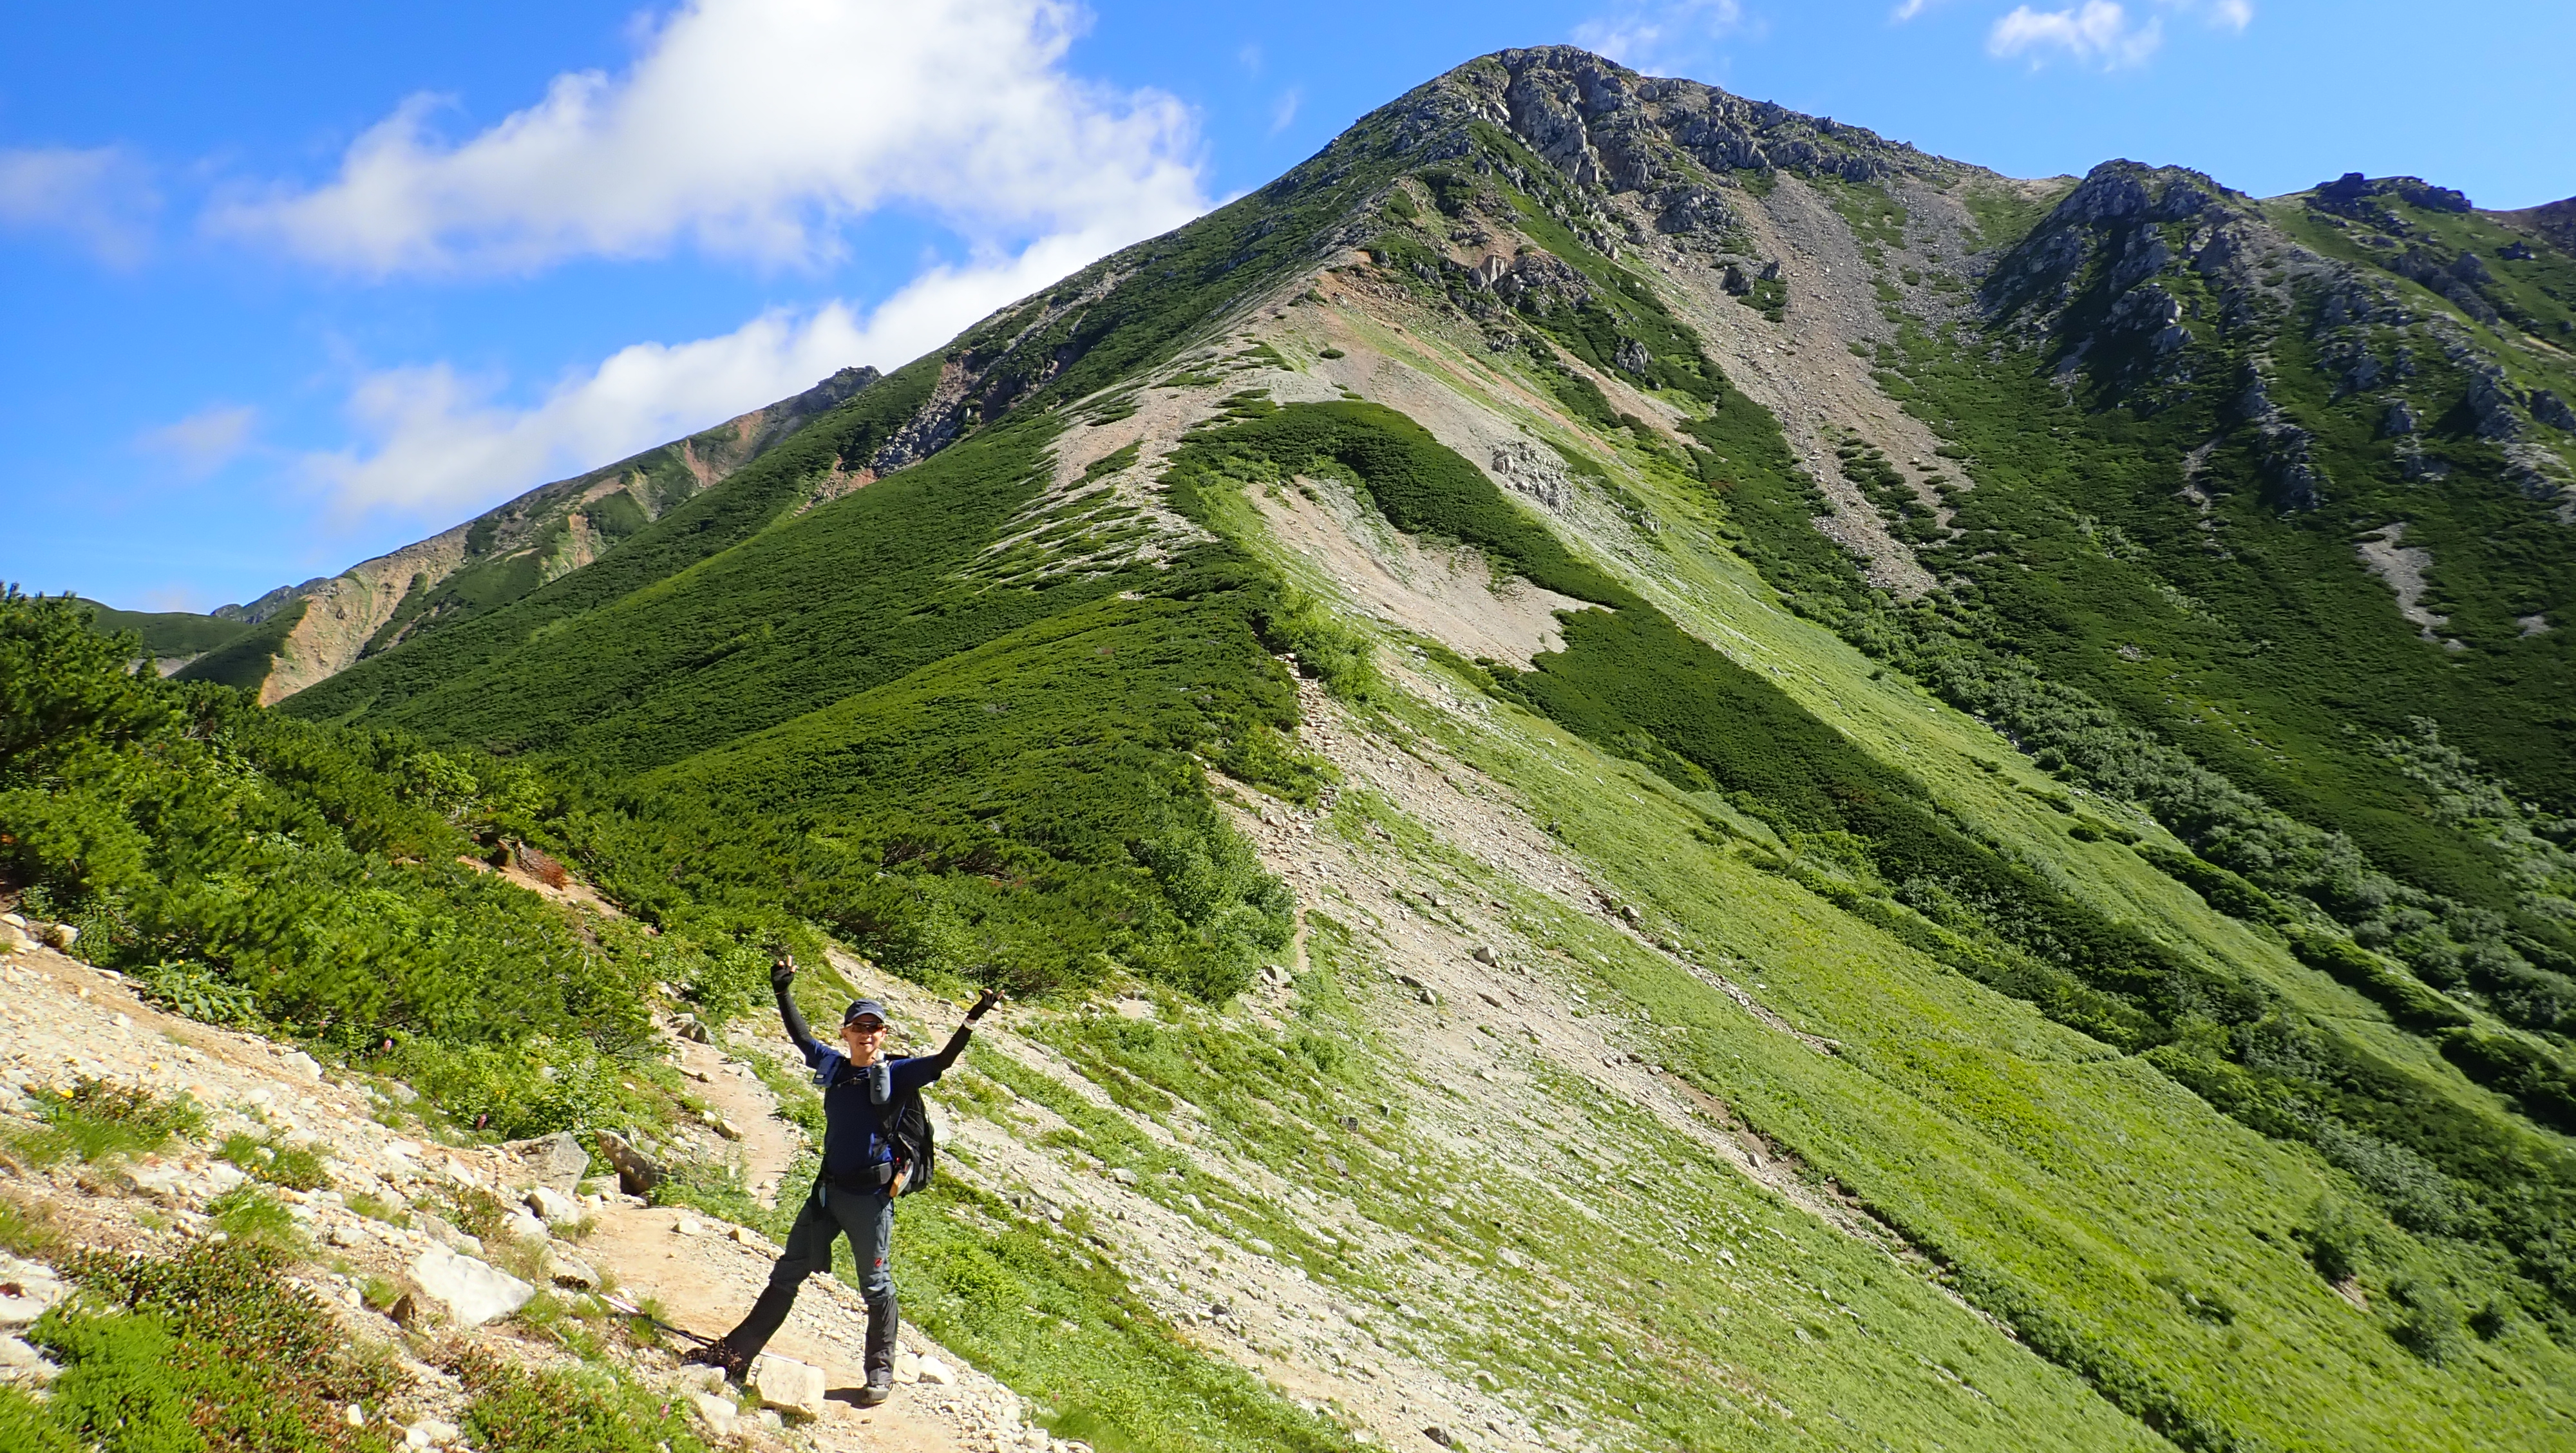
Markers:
288,284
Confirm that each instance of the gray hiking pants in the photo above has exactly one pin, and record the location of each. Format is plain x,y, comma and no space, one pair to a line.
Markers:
867,1218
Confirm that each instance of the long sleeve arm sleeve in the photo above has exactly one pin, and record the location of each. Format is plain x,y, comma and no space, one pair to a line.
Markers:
795,1021
935,1065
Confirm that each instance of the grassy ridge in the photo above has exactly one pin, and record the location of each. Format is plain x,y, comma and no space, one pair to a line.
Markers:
166,633
704,526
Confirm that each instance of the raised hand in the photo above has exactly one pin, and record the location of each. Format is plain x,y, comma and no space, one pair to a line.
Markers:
781,969
984,1005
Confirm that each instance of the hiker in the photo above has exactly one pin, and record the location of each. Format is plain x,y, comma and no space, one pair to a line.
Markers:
864,1169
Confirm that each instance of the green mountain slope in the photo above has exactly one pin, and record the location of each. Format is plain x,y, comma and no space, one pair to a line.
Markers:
1937,805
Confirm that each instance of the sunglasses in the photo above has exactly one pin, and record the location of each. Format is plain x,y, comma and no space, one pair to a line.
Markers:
865,1026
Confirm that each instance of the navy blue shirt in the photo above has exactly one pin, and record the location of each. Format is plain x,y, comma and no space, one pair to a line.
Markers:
854,1124
854,1128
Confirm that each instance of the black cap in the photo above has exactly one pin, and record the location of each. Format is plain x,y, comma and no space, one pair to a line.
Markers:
867,1006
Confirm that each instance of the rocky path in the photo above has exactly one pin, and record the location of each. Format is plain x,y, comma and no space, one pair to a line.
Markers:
62,1021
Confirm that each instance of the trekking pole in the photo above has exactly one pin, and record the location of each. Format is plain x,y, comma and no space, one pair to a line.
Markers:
632,1310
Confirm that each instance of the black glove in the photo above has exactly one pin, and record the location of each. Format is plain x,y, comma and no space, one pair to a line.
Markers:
781,969
984,1005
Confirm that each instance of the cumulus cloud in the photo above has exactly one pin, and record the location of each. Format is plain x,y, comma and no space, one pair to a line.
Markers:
2098,33
1649,36
101,198
441,442
754,128
205,441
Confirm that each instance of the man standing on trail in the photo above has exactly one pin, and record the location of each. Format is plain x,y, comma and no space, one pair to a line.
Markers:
863,1171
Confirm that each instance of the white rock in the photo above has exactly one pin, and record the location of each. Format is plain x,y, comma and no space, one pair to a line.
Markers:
14,940
474,1292
769,1419
702,1379
520,1223
433,1432
162,1179
567,1270
223,1175
687,1226
415,1437
1035,1438
36,1288
553,1206
936,1372
787,1384
718,1411
19,1359
303,1064
907,1367
354,1415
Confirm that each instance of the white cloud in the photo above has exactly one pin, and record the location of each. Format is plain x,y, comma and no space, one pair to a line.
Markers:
2097,33
205,441
101,197
1907,9
1284,110
754,128
1648,36
441,442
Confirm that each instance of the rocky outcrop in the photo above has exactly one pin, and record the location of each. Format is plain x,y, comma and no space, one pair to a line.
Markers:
2102,280
1603,125
2284,451
2553,223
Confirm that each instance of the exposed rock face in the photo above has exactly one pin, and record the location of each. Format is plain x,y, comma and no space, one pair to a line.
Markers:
1605,126
2102,279
2285,450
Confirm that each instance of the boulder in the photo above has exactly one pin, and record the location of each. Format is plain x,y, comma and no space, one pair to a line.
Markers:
27,1288
936,1372
302,1064
787,1384
521,1224
637,1173
553,1207
554,1160
475,1292
21,1362
60,935
719,1412
14,940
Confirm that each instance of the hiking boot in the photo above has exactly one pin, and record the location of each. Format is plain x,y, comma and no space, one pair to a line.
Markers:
880,1387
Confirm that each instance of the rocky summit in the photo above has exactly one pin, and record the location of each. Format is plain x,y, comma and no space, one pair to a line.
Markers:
1649,772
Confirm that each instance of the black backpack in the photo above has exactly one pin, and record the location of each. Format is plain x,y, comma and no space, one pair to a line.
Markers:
916,1143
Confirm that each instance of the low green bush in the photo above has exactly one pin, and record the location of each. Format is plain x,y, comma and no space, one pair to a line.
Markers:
211,1349
100,1119
566,1410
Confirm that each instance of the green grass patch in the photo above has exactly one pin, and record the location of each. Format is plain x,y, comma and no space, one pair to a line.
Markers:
102,1120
